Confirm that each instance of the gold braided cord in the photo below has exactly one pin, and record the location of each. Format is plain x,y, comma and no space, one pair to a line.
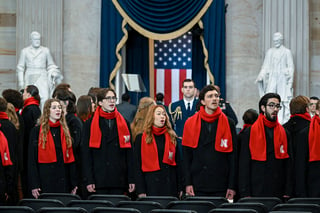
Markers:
119,46
206,55
160,36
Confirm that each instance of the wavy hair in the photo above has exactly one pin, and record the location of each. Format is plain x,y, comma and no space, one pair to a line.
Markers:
44,122
84,107
139,118
11,112
147,128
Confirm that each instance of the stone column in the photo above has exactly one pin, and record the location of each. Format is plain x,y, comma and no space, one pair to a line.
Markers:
291,18
46,17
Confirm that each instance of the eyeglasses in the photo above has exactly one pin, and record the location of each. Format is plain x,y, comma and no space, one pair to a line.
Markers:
310,104
109,98
273,105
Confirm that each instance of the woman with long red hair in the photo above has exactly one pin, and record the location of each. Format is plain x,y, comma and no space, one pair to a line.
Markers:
158,172
51,163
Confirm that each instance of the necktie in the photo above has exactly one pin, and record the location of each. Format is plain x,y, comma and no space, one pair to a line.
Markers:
188,108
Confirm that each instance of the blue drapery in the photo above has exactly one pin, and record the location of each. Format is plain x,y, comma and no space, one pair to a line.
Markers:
162,16
137,56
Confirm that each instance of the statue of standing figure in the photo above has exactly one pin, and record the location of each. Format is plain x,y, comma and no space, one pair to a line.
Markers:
277,74
36,67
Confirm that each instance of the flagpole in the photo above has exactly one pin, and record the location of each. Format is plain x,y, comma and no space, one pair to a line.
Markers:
151,67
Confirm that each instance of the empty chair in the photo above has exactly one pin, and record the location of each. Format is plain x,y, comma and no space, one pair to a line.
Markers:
114,210
163,200
172,211
37,204
90,204
217,201
65,198
62,210
309,200
198,206
16,209
142,206
269,202
314,208
115,199
259,207
226,210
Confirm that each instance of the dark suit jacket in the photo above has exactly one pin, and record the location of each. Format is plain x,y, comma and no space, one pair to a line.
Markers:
127,110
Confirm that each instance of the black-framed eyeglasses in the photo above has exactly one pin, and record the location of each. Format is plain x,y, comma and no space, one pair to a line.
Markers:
273,105
109,98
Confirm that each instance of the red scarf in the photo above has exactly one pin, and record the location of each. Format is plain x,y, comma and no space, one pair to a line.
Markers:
149,152
192,129
314,139
4,150
258,144
48,154
245,126
305,116
95,131
30,101
4,116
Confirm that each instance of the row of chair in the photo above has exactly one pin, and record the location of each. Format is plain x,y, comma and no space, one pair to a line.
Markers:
167,204
153,207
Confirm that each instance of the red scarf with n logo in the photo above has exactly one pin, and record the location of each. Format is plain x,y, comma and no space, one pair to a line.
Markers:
4,150
192,127
95,131
258,143
48,154
149,152
314,139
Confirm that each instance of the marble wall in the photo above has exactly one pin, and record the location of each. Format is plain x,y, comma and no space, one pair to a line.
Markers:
244,53
314,48
7,44
82,44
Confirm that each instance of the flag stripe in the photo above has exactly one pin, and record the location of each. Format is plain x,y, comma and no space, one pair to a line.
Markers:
167,87
175,84
183,75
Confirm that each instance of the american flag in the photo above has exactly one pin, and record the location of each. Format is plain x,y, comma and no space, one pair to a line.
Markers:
172,65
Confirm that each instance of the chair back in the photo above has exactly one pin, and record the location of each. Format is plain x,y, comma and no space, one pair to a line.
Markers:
259,207
142,206
37,204
62,210
172,211
115,199
198,206
306,200
65,198
269,202
313,208
89,205
217,201
114,210
163,200
226,210
16,209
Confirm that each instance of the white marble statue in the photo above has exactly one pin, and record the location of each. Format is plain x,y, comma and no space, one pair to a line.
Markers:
277,74
36,67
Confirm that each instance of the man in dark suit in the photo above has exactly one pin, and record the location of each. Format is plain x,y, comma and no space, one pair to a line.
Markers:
126,109
181,110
